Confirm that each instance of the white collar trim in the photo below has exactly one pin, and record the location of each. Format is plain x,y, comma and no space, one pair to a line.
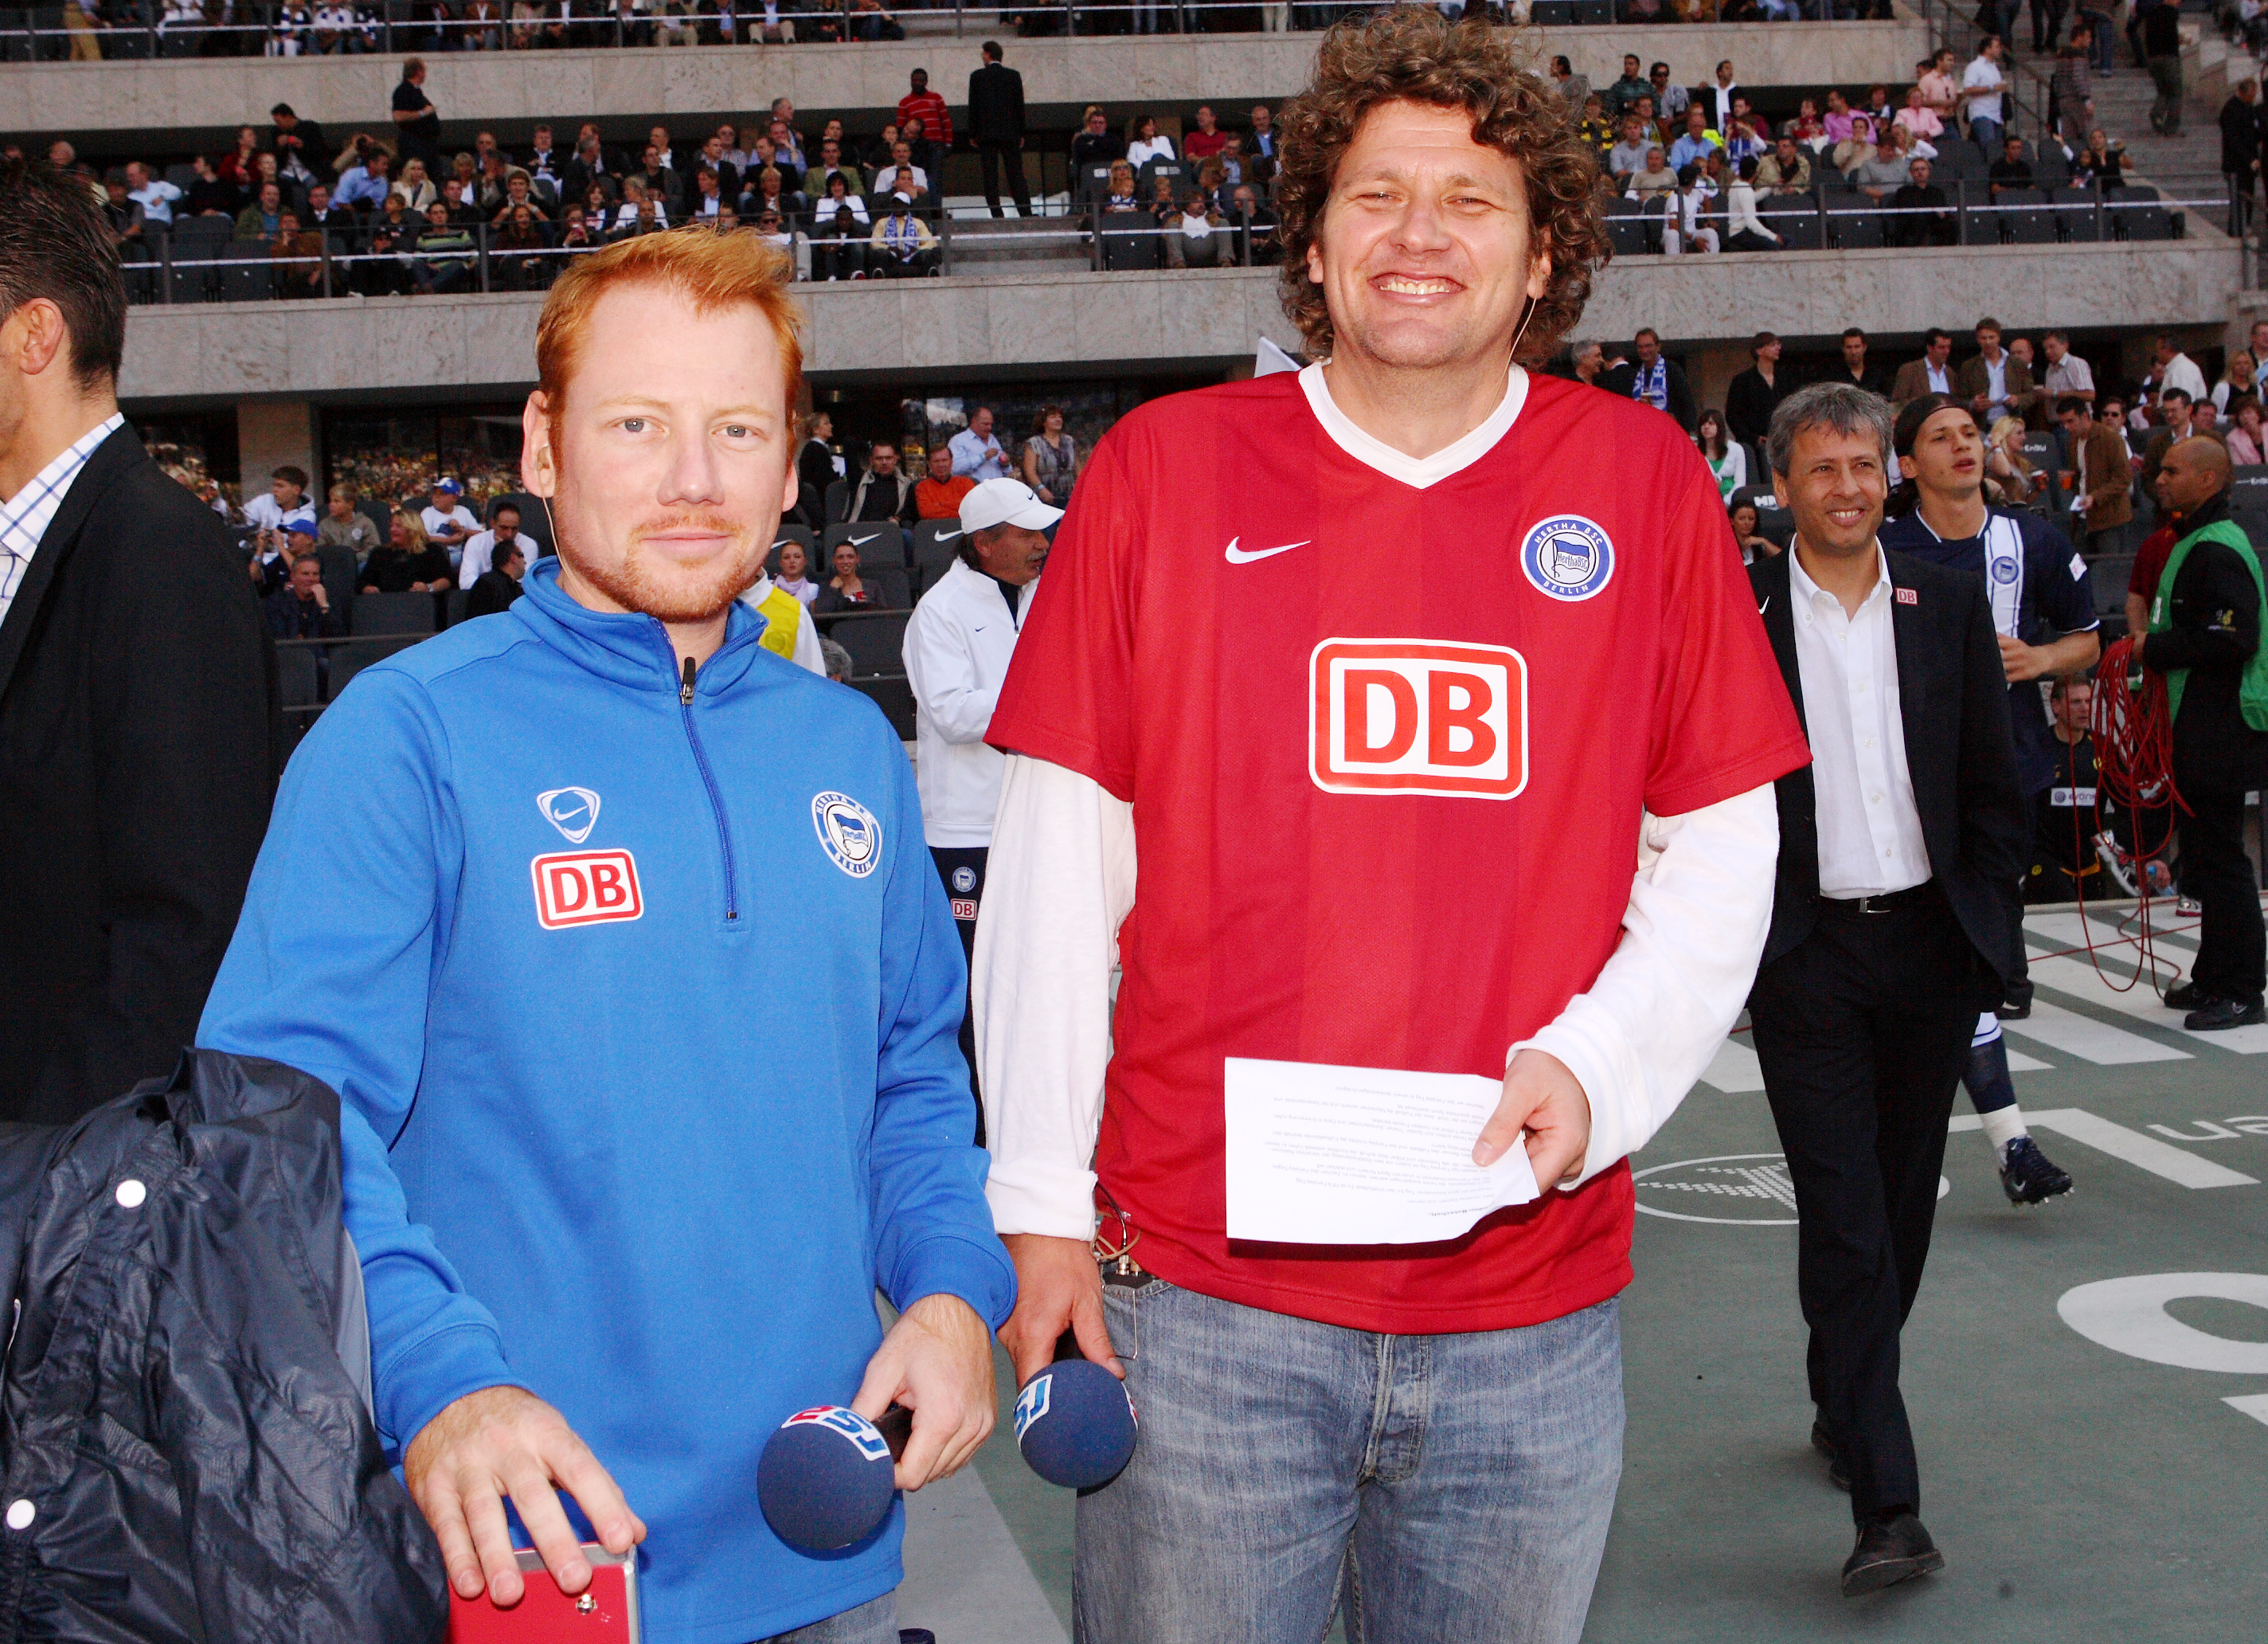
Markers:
1416,472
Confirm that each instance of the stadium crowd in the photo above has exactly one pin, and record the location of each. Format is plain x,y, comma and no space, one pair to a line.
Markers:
91,30
1701,168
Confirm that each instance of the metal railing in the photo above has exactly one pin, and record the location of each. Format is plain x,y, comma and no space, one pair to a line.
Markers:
1972,215
169,267
165,269
133,29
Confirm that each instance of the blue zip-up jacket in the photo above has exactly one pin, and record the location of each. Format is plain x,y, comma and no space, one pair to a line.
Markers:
645,1016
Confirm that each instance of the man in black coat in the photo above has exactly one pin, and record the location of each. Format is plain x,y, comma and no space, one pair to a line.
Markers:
2240,146
1755,394
996,119
1901,847
2204,641
137,690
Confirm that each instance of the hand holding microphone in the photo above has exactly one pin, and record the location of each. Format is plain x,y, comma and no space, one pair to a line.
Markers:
828,1477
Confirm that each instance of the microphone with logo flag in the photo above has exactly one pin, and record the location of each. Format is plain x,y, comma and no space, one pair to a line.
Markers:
826,1477
1075,1420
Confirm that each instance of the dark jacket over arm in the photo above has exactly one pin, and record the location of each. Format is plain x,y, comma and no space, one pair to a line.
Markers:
137,764
1953,703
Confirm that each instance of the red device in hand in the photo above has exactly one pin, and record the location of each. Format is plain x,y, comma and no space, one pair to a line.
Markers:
604,1613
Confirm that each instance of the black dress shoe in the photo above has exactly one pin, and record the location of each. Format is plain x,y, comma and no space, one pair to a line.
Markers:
2216,1014
2188,996
1888,1553
1839,1469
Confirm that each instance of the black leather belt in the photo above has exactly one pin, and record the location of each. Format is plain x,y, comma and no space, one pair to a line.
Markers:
1889,902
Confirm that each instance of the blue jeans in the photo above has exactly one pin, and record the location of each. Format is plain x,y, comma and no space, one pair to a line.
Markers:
1989,135
874,1622
1437,1487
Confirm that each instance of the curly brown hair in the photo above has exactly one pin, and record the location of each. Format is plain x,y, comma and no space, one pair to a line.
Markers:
1413,53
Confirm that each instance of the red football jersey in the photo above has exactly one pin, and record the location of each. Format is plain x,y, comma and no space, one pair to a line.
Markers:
1387,741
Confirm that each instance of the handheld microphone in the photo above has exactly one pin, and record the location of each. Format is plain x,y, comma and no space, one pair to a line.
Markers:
1075,1421
826,1479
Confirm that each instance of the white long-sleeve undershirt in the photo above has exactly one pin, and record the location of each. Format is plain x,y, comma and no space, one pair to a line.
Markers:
1061,880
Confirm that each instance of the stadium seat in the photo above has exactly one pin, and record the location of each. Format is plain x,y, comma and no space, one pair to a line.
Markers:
2026,218
377,614
198,240
893,695
453,606
2075,212
181,173
1854,224
2107,579
1145,180
295,677
247,276
797,534
1795,219
876,641
838,501
1627,228
1553,13
937,544
1137,246
2134,213
2049,169
351,658
1594,13
1959,159
1093,182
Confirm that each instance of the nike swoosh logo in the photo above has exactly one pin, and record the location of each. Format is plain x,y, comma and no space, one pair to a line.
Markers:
1246,556
1766,606
861,542
947,537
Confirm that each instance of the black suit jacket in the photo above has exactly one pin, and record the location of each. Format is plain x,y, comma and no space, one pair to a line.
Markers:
137,760
996,104
1952,704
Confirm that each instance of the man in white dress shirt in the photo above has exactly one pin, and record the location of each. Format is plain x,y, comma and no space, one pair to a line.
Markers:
1890,929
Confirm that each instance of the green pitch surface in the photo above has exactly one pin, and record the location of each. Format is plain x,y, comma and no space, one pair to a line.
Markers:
2087,1381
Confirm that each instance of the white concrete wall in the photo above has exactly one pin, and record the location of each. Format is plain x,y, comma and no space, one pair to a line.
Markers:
486,344
522,87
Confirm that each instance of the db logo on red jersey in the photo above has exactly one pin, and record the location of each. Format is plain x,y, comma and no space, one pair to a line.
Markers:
1415,715
585,887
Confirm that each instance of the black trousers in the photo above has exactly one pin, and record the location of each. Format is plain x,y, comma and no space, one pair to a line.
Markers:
961,869
992,156
1862,1029
2232,958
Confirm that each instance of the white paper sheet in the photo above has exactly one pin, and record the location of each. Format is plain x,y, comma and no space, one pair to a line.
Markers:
1361,1156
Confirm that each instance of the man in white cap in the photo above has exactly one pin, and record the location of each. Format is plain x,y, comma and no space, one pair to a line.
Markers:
957,651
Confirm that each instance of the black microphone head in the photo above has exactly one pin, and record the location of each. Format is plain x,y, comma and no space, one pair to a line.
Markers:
1075,1424
826,1479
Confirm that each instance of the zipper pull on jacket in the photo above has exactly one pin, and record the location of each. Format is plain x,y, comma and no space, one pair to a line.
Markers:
685,693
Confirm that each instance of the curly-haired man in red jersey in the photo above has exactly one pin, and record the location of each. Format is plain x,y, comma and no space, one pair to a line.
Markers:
1508,814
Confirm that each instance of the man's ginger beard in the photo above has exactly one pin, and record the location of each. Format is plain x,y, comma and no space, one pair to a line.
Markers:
665,591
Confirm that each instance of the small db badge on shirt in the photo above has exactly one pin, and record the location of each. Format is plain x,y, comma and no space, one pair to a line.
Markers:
1905,596
585,887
